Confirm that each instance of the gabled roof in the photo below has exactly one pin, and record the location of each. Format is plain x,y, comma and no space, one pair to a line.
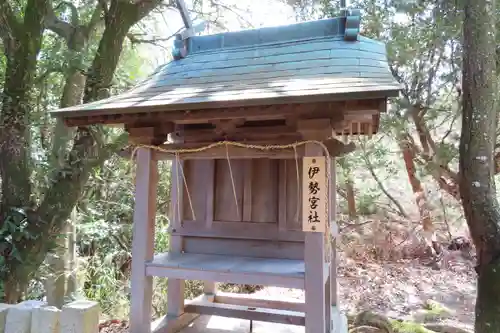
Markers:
321,60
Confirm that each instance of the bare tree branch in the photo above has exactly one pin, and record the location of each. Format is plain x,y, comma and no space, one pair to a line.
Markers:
75,34
94,20
105,9
144,7
371,169
60,27
232,10
75,17
134,39
40,78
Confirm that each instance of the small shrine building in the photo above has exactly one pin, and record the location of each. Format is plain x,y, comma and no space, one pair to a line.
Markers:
252,122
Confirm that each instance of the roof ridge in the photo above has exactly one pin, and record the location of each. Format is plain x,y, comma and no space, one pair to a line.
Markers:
263,45
345,26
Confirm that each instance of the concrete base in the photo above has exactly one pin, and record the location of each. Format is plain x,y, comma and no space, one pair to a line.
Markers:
4,309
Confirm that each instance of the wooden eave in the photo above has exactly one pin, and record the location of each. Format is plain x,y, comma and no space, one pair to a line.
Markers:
214,110
317,69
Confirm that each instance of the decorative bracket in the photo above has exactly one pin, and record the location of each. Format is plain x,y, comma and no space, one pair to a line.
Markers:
179,50
352,23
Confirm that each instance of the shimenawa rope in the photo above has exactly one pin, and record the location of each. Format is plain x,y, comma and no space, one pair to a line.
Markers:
177,152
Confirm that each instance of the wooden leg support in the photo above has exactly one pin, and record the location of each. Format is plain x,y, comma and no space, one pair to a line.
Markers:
172,323
315,309
143,241
328,305
314,260
176,318
169,324
209,288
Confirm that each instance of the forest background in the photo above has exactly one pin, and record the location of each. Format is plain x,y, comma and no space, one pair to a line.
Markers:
70,187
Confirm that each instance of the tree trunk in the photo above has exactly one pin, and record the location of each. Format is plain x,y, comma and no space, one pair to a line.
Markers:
59,260
421,200
71,261
14,138
477,164
22,41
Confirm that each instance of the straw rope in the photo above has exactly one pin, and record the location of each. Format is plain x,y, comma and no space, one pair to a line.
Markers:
293,146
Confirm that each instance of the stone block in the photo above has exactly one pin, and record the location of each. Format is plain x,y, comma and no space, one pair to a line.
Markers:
4,308
46,320
80,317
19,316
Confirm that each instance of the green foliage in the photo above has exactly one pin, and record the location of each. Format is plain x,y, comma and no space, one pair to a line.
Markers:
50,67
433,311
423,45
14,233
369,318
400,326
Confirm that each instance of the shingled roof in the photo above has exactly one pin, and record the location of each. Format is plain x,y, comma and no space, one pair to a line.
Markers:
321,60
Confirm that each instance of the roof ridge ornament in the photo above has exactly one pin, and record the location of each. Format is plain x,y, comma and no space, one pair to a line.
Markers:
180,48
352,23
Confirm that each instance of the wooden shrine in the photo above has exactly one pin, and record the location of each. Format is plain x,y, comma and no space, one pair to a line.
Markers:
245,212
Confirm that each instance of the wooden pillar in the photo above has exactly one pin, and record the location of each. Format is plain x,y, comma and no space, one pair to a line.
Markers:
143,240
314,258
333,228
331,297
209,287
175,293
328,306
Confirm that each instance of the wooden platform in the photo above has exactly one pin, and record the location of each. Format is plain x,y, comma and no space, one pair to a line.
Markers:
227,312
216,324
233,269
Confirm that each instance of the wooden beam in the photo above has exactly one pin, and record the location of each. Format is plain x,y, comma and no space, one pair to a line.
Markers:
315,129
157,114
240,230
248,300
334,146
242,134
149,134
196,116
243,312
227,126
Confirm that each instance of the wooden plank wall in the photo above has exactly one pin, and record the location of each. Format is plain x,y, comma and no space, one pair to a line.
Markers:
264,198
254,198
197,177
293,200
